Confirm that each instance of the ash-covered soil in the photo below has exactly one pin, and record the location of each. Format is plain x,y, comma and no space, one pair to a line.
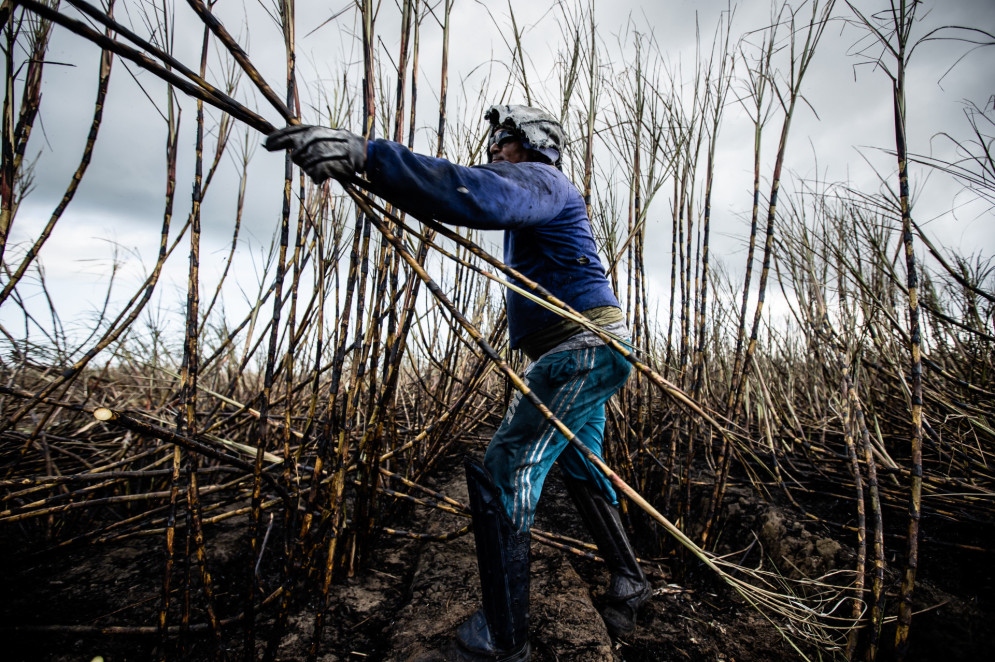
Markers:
406,605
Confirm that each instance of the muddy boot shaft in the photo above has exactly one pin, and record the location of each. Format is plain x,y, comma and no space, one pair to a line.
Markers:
500,629
629,589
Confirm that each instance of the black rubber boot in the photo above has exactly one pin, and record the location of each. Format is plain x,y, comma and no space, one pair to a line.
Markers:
629,589
499,630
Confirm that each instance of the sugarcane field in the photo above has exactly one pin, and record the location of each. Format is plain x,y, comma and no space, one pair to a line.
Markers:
455,330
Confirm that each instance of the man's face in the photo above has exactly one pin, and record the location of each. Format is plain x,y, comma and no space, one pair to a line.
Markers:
506,146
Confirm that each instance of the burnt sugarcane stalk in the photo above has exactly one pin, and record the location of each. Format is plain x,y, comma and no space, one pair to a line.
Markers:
8,172
877,589
718,101
371,440
341,428
591,108
759,81
136,630
444,82
134,424
415,49
915,491
187,423
798,67
15,138
333,422
397,332
211,21
105,71
198,90
291,550
259,436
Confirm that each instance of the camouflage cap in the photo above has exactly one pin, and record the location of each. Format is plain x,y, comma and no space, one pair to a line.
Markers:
539,130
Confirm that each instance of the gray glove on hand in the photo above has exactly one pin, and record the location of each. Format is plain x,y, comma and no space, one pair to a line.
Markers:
320,151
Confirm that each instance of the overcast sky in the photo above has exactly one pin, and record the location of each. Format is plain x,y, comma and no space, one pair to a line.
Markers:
118,209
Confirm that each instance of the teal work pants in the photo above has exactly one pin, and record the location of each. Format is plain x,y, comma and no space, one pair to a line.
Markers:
574,384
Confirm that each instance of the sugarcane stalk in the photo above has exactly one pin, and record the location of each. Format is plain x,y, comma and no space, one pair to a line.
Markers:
591,110
338,483
30,102
106,59
291,551
799,65
7,172
136,630
915,491
242,58
130,422
203,91
876,617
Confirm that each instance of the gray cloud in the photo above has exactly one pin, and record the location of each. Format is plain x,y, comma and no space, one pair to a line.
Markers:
122,194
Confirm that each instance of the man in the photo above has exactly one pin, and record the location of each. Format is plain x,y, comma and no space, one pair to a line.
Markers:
547,238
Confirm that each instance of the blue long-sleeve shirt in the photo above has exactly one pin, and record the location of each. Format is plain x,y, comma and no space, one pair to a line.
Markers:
547,235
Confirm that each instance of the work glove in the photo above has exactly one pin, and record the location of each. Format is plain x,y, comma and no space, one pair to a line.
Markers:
320,151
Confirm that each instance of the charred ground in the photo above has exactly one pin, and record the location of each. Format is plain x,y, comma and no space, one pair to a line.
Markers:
80,601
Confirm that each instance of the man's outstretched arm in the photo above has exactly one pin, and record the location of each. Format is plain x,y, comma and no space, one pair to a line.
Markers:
495,196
